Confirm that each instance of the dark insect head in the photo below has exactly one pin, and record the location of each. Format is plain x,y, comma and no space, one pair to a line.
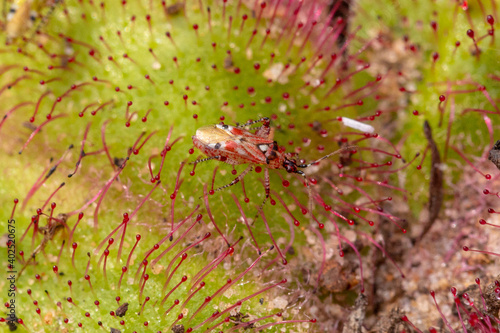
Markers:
290,165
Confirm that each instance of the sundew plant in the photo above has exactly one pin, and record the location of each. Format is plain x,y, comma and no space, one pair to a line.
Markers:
113,220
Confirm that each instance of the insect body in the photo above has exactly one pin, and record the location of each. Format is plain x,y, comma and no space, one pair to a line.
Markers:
22,15
19,20
238,145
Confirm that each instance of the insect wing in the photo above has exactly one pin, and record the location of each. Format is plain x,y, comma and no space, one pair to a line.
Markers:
244,136
236,145
255,148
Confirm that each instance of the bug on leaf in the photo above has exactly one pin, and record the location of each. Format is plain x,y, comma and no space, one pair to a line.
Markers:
239,145
23,14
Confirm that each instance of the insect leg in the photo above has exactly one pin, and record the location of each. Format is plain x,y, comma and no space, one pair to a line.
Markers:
237,179
46,17
267,188
264,131
205,159
265,120
32,257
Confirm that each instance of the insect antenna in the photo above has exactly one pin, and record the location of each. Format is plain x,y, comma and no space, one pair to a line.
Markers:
303,166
